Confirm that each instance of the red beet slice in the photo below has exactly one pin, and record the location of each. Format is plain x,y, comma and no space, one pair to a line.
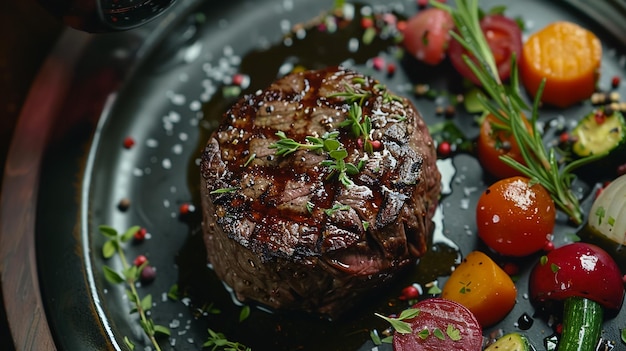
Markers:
436,326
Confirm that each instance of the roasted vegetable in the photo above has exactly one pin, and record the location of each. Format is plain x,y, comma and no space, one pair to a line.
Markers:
606,225
601,132
511,342
568,57
479,284
587,280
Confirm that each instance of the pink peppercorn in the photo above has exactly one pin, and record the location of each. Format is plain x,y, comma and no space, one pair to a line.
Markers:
367,22
615,81
378,63
238,79
444,149
140,235
139,260
129,142
549,246
510,268
409,293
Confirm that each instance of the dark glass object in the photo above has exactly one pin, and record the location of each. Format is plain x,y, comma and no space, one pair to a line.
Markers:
106,15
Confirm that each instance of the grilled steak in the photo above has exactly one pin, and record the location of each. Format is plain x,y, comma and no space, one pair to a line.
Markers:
314,229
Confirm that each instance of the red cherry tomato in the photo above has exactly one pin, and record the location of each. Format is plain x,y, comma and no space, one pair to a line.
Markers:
515,217
494,142
504,37
427,35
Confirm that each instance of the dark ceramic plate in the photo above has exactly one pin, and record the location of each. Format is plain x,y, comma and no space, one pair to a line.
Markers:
164,86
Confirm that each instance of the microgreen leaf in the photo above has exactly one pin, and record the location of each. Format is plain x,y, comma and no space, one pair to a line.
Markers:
424,334
129,233
218,340
244,313
129,343
554,267
434,290
398,323
172,293
109,248
112,275
224,190
375,338
623,335
162,330
409,313
453,333
108,231
439,334
543,260
146,302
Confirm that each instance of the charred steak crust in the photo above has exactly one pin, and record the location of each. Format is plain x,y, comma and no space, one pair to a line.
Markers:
283,230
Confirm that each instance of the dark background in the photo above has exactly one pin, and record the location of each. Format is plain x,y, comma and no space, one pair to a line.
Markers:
27,34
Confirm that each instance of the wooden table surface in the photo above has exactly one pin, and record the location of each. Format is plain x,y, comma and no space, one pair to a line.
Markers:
28,33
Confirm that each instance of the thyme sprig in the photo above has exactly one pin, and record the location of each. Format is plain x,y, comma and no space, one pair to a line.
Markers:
285,146
506,103
218,341
360,125
130,275
339,166
326,143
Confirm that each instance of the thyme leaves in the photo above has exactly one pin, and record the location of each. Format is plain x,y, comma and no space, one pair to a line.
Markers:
129,276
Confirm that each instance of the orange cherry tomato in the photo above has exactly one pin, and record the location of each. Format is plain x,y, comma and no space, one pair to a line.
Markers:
494,142
515,217
568,57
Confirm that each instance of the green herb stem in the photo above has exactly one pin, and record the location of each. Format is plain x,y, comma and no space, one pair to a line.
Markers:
129,276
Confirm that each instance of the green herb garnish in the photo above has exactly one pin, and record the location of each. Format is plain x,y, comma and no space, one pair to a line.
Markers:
339,166
336,207
130,276
507,104
224,190
360,125
399,323
285,146
218,341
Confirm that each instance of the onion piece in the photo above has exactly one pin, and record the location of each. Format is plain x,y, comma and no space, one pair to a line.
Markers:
608,212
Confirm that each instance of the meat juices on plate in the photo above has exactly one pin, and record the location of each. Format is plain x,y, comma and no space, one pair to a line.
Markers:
283,230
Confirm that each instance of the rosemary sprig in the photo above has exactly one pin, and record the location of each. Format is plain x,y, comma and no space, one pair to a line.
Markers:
507,104
130,275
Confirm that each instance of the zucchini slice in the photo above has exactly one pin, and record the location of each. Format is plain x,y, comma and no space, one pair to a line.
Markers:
511,342
600,132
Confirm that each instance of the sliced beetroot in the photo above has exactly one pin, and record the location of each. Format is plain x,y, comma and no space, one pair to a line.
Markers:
441,325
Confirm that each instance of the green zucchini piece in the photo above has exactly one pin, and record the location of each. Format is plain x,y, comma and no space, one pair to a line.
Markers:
582,324
599,133
511,342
